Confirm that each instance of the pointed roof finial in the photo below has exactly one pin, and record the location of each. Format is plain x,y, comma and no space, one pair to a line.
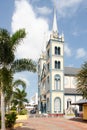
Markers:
55,29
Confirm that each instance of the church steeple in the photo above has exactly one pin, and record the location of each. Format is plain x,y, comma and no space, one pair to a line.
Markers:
55,28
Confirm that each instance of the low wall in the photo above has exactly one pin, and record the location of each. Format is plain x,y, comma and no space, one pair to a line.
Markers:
22,117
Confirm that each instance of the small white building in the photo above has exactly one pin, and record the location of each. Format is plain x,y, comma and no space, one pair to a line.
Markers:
35,99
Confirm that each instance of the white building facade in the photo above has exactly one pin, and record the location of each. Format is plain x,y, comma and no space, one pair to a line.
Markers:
56,83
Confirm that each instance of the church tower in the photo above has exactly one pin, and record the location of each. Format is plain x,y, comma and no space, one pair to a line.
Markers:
51,74
55,97
55,70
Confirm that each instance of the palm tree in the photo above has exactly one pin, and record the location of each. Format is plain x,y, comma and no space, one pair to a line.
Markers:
9,91
19,98
6,57
8,63
18,82
82,80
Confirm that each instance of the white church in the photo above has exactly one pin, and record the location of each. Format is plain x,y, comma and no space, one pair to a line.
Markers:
56,83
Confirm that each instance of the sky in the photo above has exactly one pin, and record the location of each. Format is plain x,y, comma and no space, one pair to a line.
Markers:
36,16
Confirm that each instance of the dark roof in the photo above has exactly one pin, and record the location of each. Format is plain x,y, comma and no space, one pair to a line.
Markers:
71,91
71,71
80,102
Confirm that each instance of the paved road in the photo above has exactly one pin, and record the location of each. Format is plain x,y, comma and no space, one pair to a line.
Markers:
53,123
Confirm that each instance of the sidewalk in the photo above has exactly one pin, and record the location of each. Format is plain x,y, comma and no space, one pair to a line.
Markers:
53,123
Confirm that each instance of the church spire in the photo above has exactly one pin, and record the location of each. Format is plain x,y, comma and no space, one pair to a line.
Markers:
55,29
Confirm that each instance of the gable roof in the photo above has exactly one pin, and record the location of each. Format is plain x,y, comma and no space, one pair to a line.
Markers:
80,102
71,71
71,91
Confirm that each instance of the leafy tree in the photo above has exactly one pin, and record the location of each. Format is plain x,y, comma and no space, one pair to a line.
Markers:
8,64
82,80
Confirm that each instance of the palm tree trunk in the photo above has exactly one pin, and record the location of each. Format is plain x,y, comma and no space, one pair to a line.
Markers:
2,112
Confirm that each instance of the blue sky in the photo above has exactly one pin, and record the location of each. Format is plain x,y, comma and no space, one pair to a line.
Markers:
36,16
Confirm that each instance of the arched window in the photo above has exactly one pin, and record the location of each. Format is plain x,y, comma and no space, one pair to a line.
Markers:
57,105
48,105
58,64
57,82
48,53
48,79
58,50
68,103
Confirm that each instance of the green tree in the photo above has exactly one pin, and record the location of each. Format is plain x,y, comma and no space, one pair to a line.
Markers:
82,80
18,82
6,57
19,98
8,64
9,91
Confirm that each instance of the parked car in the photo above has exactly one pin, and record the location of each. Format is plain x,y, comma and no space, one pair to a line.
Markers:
33,111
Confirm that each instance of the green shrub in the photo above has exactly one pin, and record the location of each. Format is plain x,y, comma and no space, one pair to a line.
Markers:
10,119
23,112
13,108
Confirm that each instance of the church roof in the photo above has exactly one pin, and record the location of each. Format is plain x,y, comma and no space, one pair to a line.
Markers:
71,91
71,71
80,102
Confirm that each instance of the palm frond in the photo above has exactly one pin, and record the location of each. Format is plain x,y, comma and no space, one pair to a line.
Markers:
19,82
17,37
24,65
6,54
82,80
19,97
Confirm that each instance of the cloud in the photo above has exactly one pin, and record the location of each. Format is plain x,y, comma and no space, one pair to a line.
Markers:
67,7
79,32
75,33
43,10
67,50
80,53
34,1
25,17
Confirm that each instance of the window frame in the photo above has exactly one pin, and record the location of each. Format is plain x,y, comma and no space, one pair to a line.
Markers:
57,50
57,64
59,108
57,82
